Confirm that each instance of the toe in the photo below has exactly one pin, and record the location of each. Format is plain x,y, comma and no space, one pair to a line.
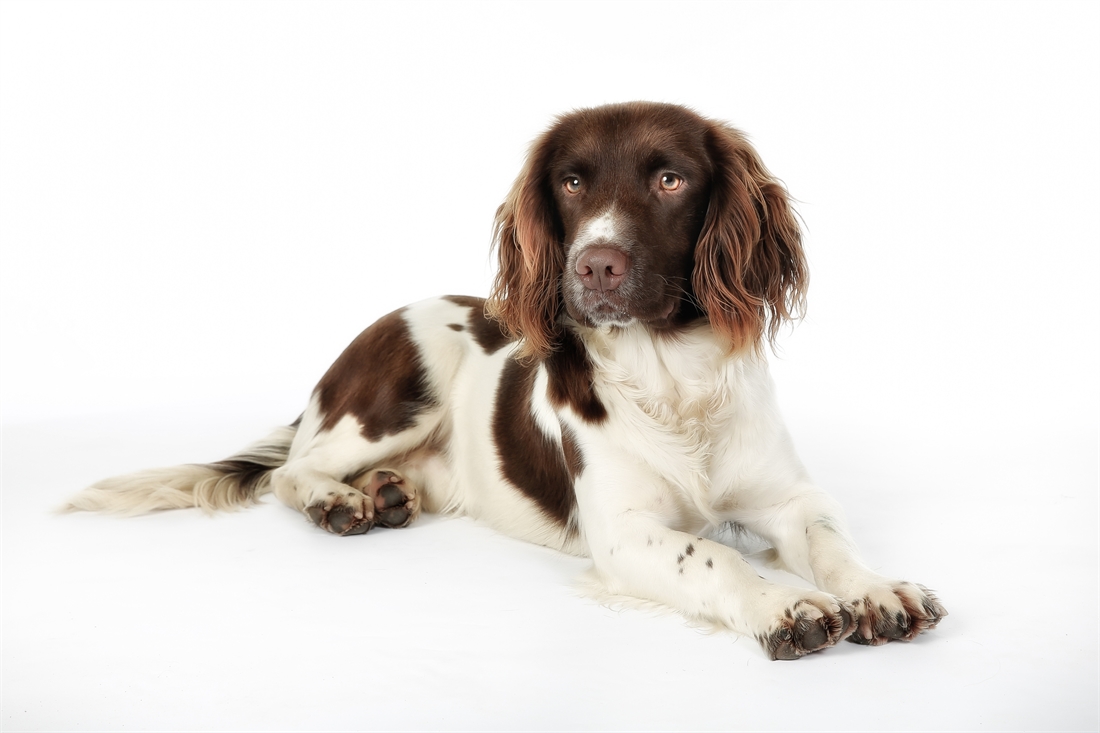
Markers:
341,519
389,496
812,633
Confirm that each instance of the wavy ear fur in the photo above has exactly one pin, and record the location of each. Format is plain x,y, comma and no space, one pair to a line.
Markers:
750,273
527,236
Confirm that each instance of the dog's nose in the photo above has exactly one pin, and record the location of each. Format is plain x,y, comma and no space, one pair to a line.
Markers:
602,268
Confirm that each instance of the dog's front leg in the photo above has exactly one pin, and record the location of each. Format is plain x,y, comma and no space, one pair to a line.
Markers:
632,524
809,534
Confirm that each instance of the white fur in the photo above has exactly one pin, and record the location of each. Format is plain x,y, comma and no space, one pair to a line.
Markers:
603,228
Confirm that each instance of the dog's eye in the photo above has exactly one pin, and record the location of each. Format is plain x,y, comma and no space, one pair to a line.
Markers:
572,184
671,182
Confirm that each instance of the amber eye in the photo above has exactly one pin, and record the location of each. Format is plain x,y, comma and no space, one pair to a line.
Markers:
572,184
671,182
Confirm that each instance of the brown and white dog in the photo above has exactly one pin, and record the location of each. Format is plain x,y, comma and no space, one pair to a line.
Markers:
610,399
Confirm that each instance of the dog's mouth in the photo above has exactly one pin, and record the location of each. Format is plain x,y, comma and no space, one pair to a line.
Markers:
604,307
613,308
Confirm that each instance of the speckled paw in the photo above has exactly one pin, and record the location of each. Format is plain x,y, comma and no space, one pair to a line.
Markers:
897,611
809,625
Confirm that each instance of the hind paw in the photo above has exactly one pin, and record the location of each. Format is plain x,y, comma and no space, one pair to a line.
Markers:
376,497
395,502
349,512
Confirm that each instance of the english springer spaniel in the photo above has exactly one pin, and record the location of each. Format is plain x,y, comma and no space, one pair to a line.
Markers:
610,398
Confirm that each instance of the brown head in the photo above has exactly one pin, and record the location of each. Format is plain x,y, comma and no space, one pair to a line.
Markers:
648,213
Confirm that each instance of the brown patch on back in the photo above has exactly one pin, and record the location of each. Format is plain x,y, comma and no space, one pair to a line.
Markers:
466,301
487,332
570,374
535,464
379,379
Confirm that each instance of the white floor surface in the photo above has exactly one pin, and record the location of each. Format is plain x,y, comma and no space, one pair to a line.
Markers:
257,621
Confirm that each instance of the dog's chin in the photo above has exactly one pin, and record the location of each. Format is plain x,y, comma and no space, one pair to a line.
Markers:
603,311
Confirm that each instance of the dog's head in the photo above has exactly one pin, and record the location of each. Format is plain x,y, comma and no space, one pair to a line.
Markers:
645,213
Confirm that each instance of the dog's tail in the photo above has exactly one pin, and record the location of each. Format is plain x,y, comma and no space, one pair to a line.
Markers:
235,482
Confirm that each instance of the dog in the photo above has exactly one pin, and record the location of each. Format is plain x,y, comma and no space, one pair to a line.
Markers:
610,398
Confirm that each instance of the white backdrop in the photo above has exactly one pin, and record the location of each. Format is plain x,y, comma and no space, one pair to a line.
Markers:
202,203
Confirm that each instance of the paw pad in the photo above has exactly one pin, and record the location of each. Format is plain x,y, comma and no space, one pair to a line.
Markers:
342,514
375,497
395,503
807,628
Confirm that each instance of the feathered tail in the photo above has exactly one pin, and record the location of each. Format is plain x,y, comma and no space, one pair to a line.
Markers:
235,482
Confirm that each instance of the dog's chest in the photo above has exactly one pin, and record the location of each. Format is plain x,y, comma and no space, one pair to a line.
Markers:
682,393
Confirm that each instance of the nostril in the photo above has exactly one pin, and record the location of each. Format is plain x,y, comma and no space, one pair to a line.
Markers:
602,268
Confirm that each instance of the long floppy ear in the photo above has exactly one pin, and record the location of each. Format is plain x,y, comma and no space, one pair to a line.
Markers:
750,273
527,236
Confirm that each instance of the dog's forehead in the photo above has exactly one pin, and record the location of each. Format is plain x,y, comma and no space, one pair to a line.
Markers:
606,136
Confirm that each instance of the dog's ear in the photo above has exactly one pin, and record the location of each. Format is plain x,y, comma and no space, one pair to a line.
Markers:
527,236
750,272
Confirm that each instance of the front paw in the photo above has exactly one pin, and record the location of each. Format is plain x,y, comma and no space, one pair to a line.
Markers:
893,611
816,621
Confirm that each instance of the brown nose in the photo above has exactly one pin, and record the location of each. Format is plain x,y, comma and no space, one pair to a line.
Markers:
602,268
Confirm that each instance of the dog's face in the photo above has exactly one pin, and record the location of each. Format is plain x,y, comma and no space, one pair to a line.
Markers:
645,213
630,193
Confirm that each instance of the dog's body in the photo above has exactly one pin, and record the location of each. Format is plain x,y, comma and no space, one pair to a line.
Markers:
610,399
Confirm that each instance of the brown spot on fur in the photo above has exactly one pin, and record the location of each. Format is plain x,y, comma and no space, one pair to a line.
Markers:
536,465
466,301
710,563
456,327
570,382
379,379
488,333
690,550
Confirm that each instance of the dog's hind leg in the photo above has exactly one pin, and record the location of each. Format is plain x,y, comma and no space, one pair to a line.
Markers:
346,483
370,443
